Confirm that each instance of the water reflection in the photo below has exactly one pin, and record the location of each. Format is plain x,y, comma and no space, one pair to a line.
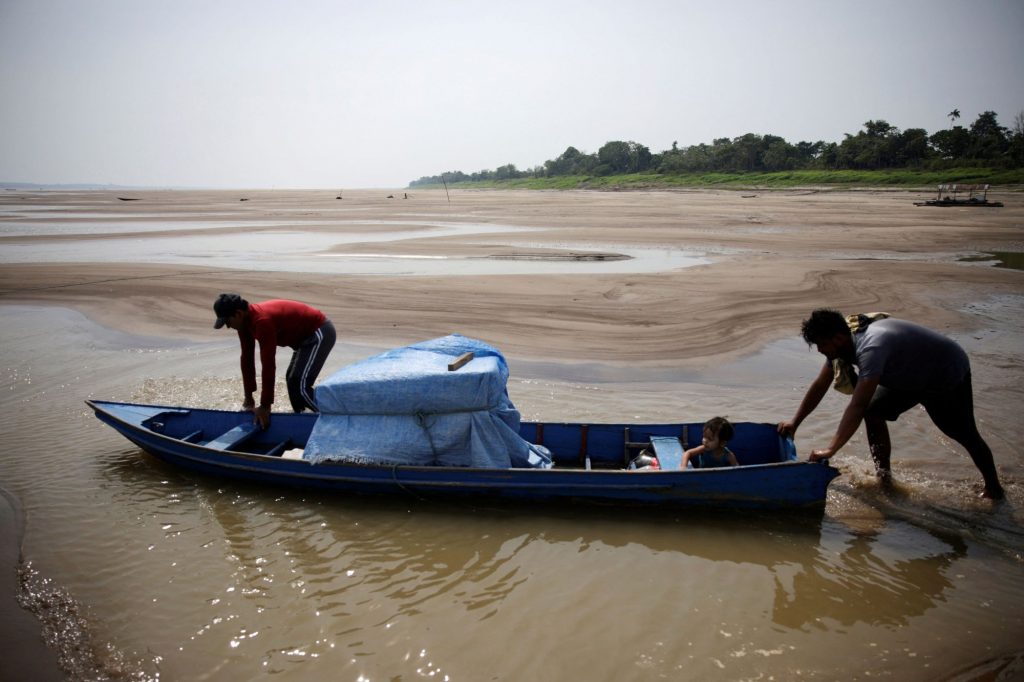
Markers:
405,557
853,579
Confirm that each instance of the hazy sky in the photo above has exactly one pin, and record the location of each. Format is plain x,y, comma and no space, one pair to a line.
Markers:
376,93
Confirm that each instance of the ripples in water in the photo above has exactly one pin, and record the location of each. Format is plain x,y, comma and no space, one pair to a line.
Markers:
192,576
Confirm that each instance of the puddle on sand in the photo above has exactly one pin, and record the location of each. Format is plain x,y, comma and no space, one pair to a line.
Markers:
308,250
1003,259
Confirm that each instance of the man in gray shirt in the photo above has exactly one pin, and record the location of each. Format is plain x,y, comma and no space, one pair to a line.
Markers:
901,364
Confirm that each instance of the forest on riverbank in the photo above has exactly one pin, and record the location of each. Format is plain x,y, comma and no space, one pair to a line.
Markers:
879,154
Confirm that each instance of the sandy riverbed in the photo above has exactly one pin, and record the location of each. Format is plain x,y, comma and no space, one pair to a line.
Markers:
773,257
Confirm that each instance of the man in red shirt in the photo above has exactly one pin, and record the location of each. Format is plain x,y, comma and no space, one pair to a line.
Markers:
276,323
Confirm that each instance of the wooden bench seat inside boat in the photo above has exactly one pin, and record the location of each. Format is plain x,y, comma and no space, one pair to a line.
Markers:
668,450
234,437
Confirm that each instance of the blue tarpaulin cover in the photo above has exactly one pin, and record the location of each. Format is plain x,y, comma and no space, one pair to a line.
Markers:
404,407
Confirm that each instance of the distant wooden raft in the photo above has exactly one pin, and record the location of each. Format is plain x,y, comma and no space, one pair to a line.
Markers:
949,195
961,187
460,361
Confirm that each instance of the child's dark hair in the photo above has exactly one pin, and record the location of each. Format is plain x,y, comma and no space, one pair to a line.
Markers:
824,323
720,428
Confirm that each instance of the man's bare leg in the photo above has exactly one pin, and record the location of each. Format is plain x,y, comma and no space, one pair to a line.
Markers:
880,446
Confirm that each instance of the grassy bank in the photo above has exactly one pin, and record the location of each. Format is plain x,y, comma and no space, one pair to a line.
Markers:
844,179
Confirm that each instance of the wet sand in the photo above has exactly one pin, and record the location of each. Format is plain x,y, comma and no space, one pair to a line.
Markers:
22,649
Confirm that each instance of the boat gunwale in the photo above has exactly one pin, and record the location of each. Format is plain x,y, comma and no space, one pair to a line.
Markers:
216,456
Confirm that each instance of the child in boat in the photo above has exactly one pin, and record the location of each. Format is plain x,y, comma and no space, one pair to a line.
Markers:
712,452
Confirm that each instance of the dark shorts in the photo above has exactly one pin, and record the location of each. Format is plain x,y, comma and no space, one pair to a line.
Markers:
952,410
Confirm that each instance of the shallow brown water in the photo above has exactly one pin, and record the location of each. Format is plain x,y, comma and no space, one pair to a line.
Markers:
197,578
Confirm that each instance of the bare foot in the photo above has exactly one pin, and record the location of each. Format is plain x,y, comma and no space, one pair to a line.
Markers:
993,493
884,478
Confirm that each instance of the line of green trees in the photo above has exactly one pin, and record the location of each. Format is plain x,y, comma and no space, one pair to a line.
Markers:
878,146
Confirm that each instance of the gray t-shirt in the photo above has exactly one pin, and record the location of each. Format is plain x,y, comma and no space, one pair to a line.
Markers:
908,357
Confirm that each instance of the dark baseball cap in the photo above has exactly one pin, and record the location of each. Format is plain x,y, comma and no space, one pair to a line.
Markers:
227,305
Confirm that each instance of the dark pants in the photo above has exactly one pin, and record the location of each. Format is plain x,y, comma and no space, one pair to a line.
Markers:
307,361
952,411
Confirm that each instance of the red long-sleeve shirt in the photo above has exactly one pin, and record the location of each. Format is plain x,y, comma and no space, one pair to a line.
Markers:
273,323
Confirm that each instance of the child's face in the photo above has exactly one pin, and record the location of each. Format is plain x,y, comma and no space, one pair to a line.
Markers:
711,441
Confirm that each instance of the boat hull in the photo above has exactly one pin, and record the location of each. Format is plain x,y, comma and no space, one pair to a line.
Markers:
789,484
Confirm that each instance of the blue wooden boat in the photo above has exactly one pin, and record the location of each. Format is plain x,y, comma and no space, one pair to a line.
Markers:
591,461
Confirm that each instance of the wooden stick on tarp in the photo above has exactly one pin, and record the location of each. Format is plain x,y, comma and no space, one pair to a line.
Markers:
460,361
